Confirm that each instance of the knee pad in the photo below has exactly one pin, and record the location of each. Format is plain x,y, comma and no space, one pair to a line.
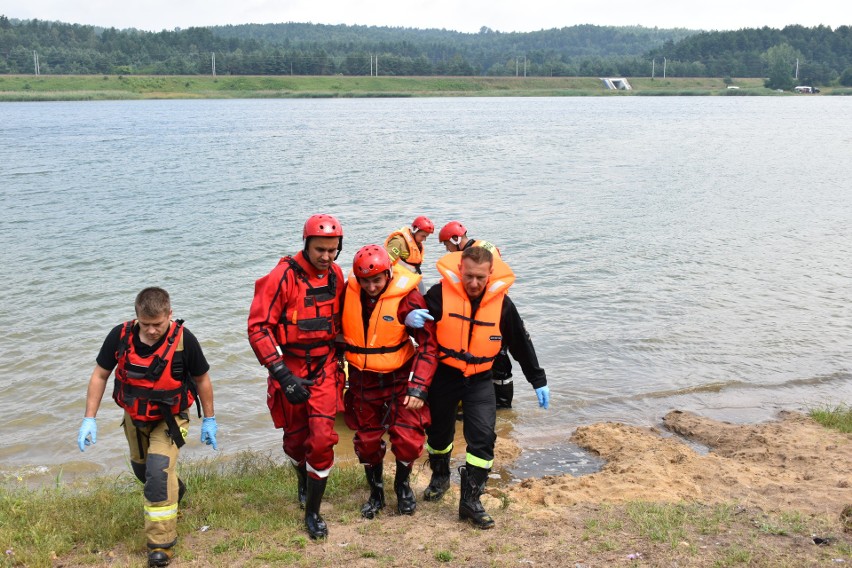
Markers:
156,478
138,470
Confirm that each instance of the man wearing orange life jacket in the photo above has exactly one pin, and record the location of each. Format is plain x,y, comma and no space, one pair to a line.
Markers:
406,246
292,325
474,318
389,376
454,237
159,371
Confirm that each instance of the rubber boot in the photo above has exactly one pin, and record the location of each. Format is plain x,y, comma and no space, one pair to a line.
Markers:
313,498
159,556
376,502
302,475
440,482
406,503
473,480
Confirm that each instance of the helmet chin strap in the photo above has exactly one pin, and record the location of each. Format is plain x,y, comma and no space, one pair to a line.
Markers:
455,240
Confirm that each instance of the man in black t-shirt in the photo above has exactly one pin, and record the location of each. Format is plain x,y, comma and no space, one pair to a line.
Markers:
160,370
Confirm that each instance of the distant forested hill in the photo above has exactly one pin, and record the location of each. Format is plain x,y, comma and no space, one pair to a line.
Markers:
585,40
315,49
823,54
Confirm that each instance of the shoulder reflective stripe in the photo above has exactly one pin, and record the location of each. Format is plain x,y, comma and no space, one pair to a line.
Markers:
432,450
478,462
496,286
402,282
160,514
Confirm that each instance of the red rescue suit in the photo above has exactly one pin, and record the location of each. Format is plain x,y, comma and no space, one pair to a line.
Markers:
385,367
153,388
294,318
468,343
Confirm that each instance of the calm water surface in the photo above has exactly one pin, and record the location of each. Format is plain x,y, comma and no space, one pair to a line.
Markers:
689,253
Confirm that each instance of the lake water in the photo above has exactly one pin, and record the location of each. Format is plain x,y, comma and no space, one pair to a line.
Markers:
677,252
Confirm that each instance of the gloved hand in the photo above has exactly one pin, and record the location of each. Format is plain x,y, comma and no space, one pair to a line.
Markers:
543,394
208,431
294,388
416,318
88,433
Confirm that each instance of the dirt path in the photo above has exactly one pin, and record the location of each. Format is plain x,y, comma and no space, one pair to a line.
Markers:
782,483
790,464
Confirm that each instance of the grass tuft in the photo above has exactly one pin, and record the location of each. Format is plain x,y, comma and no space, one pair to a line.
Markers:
837,417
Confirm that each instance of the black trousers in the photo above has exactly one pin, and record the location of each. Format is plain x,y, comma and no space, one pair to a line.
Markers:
479,408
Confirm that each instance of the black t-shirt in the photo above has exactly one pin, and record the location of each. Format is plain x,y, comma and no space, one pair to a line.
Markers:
193,356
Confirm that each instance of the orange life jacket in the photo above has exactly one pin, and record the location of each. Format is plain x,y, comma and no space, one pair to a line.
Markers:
152,388
415,252
466,342
389,345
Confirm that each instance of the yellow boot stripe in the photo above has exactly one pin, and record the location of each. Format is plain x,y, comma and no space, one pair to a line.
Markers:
160,514
433,451
479,462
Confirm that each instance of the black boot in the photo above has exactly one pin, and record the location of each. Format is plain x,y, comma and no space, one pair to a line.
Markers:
313,498
302,475
181,490
405,500
376,502
440,482
159,556
473,480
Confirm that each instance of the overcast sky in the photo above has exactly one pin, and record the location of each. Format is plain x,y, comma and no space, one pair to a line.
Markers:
459,15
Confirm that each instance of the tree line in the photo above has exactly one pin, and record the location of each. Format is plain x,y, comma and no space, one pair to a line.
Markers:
819,55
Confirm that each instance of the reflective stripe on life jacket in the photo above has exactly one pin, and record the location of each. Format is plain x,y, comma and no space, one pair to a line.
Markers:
152,388
415,250
389,345
467,342
484,244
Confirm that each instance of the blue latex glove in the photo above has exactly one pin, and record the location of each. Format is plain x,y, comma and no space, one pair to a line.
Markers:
416,318
543,394
88,433
208,431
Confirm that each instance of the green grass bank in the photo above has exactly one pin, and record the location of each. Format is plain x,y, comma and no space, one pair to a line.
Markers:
120,87
242,511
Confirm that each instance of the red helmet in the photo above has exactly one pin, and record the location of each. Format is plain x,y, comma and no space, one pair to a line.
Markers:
452,230
323,226
370,260
423,224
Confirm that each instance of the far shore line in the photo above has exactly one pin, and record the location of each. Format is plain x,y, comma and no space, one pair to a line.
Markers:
22,88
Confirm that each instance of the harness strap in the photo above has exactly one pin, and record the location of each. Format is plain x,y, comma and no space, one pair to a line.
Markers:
474,321
124,343
306,347
174,430
163,400
165,396
375,350
465,356
323,292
